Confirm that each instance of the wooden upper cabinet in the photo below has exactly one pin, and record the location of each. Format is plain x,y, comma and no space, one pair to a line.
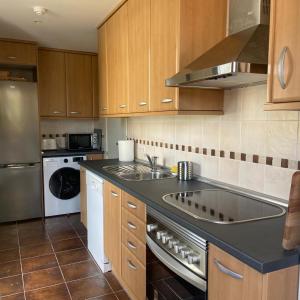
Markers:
164,53
95,83
284,58
20,53
52,83
117,61
102,70
180,32
139,54
79,85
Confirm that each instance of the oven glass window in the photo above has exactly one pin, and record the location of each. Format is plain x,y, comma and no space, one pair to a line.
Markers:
80,141
64,183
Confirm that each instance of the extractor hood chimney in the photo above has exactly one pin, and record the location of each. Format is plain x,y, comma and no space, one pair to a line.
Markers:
241,59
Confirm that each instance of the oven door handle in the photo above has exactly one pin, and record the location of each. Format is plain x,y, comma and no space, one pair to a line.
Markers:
175,266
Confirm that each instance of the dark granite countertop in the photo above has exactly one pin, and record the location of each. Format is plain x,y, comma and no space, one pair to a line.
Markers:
65,152
257,243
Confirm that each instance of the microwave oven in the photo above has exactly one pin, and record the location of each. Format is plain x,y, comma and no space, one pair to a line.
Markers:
84,141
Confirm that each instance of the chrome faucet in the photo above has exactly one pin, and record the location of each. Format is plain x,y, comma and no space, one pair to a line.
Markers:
153,162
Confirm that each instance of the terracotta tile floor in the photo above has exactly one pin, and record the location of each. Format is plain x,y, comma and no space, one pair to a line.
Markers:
48,259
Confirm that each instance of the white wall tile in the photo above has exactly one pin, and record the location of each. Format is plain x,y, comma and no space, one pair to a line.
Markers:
278,181
252,176
229,171
230,136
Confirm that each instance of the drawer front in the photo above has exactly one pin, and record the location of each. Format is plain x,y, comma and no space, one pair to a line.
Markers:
135,206
18,53
134,245
134,274
134,225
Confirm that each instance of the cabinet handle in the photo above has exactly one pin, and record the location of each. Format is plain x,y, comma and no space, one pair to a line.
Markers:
281,68
131,205
122,105
12,57
74,112
56,112
227,271
104,108
142,103
114,194
131,245
168,100
131,265
131,226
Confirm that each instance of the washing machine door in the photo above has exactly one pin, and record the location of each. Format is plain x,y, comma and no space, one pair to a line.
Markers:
64,183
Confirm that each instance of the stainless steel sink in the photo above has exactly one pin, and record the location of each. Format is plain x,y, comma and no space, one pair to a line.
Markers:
138,172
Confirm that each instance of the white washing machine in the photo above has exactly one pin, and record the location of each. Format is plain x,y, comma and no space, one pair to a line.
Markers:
62,184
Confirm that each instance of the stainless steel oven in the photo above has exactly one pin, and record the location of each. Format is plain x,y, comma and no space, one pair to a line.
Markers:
179,267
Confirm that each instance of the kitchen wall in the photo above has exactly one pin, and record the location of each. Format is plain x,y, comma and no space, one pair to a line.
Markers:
112,131
246,147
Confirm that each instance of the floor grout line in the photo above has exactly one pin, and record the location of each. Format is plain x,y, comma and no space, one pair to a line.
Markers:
20,261
60,268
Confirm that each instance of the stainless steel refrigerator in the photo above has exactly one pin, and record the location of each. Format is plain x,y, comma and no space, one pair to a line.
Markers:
20,168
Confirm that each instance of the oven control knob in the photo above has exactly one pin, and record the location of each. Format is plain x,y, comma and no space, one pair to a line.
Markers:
151,227
185,252
160,234
193,259
178,247
172,243
166,238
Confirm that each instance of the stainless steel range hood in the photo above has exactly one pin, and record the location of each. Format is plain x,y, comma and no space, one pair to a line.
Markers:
241,59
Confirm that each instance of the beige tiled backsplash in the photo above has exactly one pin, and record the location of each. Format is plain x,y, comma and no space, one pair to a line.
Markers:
247,146
53,127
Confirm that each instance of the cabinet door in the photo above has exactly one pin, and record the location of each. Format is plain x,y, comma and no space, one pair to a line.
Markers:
139,54
83,197
52,83
79,85
284,71
117,61
112,225
230,279
95,86
18,53
102,67
163,53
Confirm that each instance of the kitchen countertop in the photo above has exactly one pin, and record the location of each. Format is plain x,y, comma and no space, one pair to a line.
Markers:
65,152
257,243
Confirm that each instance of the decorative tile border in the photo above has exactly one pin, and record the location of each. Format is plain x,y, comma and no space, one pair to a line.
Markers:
252,158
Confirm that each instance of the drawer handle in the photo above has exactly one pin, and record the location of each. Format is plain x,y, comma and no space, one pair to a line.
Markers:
168,100
142,103
227,271
74,112
114,194
131,265
131,205
12,57
131,245
281,68
131,226
122,105
104,108
56,112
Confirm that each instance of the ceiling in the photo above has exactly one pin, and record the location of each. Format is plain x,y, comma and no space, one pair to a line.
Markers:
68,24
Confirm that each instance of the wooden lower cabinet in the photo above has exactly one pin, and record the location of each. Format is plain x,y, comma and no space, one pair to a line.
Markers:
124,238
94,156
231,279
133,274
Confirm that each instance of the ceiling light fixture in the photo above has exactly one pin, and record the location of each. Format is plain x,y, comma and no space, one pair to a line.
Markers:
39,10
